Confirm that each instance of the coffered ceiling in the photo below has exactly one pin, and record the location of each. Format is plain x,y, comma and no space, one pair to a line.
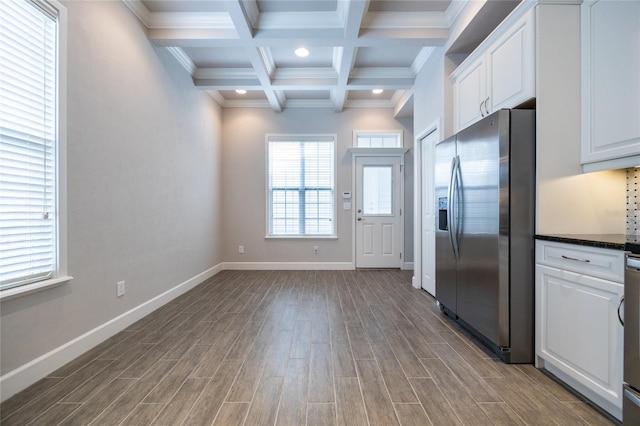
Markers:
354,46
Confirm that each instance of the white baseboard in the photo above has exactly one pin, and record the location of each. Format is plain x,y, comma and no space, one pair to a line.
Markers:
407,266
29,373
289,266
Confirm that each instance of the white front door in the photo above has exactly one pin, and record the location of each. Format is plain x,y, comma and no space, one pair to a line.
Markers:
378,212
428,214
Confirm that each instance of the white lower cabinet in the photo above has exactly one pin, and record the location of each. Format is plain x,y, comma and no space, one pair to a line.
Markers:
578,334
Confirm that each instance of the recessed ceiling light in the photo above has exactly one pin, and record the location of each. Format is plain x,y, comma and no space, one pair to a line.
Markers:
241,91
302,52
377,91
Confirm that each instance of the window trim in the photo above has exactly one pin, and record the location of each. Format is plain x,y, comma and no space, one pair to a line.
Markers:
60,275
303,137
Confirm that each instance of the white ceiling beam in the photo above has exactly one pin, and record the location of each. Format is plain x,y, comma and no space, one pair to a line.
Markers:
208,37
225,73
252,11
297,85
305,73
171,37
298,20
244,27
378,20
353,12
407,36
382,73
227,84
380,83
369,103
402,100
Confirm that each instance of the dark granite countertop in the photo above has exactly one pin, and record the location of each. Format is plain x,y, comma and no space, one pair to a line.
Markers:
626,242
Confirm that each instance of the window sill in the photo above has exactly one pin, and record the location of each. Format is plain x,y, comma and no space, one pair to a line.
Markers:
301,237
23,290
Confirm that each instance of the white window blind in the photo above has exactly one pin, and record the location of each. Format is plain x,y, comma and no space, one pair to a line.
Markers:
301,185
28,132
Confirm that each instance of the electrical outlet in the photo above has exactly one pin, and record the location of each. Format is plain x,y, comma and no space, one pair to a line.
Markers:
240,249
120,289
315,249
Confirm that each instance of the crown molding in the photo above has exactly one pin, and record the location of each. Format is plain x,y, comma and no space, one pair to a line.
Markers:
454,9
421,59
217,96
140,10
184,60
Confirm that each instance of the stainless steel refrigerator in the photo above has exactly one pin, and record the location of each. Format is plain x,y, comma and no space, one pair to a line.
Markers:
485,194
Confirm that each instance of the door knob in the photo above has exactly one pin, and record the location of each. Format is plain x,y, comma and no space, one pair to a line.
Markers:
359,210
359,218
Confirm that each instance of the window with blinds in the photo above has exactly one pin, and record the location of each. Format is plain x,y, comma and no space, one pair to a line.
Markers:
301,172
28,138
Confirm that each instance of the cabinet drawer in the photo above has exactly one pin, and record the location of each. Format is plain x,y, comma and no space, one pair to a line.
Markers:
596,262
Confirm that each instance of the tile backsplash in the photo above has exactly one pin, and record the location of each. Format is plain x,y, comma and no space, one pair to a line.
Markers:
633,201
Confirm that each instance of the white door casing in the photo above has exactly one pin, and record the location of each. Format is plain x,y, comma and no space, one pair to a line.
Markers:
428,269
379,238
423,198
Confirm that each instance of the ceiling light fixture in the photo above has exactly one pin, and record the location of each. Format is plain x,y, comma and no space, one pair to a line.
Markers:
241,91
302,52
377,91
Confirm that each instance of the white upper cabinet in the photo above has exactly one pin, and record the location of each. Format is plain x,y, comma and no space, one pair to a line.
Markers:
500,73
610,84
470,94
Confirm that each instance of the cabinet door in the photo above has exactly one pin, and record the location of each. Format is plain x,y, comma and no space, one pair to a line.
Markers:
611,82
469,95
578,330
510,66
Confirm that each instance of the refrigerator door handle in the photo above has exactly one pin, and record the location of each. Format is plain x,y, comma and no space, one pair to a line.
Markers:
454,206
459,210
450,205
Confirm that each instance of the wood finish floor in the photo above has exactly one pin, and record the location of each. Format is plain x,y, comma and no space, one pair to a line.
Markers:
296,348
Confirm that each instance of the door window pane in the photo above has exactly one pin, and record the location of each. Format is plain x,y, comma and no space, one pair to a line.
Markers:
377,190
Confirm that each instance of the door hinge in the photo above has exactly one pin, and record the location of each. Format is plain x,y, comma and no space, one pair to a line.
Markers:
400,255
400,212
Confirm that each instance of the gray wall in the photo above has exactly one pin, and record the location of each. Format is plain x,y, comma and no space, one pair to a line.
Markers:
143,183
244,190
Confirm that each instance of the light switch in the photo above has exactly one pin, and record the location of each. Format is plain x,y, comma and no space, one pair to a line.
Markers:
346,205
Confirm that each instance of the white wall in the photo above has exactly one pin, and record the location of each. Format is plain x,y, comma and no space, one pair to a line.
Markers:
244,190
568,200
143,183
